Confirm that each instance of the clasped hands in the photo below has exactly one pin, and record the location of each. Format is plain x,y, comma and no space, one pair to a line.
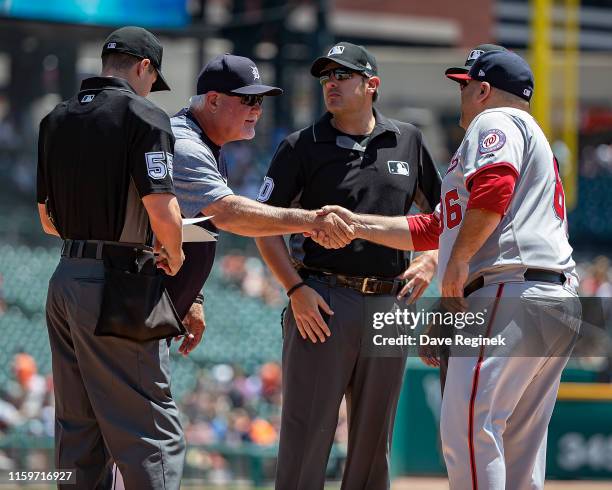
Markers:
334,227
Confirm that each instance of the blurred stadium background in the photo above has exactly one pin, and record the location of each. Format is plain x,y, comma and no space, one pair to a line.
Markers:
229,388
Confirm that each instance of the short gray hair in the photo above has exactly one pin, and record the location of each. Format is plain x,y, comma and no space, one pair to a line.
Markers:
197,101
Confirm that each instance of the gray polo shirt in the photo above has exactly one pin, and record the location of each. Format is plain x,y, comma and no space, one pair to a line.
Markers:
200,172
200,179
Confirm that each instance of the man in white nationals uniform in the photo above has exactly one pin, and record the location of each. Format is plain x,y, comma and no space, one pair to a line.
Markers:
502,233
504,236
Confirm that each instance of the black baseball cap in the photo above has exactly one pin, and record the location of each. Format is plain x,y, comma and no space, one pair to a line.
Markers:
228,73
349,55
139,43
503,70
473,56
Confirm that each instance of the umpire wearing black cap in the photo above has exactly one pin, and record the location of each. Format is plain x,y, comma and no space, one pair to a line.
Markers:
357,158
105,186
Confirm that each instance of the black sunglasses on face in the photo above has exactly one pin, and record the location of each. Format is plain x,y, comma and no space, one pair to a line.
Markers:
248,99
251,100
339,74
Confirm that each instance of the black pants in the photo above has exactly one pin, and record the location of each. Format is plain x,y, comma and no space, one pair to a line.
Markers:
315,378
112,395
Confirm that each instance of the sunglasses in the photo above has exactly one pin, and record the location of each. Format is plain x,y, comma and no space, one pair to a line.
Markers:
249,99
339,74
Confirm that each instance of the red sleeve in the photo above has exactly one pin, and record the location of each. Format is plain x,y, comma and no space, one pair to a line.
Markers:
491,188
425,230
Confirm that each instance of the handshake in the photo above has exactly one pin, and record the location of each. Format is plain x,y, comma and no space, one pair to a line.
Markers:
334,227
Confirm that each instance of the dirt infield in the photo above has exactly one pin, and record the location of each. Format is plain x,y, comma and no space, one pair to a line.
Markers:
400,484
442,484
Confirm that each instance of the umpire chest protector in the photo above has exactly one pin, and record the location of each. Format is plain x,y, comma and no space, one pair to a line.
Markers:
382,173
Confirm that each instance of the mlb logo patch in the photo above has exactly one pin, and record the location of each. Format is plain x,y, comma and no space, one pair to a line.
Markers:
336,50
398,168
87,98
111,45
475,54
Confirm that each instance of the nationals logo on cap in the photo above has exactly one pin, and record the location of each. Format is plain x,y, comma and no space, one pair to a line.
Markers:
492,140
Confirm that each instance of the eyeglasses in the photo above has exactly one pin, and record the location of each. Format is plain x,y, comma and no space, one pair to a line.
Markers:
339,74
250,99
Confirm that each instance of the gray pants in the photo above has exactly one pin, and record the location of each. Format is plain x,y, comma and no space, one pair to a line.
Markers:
315,378
496,408
112,395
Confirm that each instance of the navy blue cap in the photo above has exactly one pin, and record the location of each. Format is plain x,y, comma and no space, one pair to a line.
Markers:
473,55
504,70
238,75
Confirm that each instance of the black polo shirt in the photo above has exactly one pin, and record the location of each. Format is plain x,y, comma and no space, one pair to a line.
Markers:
320,165
99,154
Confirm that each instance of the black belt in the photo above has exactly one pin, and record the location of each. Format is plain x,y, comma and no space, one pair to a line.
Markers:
97,249
365,285
538,275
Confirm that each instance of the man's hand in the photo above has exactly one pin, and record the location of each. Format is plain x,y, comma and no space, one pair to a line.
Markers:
430,354
455,277
419,276
336,232
169,264
196,325
334,227
347,216
305,304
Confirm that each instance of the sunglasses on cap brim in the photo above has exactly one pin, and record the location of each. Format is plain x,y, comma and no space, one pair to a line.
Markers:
339,74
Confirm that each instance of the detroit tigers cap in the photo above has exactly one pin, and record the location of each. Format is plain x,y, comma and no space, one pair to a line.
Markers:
349,55
503,70
139,43
228,73
473,56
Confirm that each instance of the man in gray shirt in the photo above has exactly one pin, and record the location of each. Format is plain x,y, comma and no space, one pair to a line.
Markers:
226,108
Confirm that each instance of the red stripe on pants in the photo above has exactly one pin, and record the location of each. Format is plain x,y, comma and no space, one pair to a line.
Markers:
500,290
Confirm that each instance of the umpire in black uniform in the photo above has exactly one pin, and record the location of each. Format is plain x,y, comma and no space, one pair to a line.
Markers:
104,183
355,157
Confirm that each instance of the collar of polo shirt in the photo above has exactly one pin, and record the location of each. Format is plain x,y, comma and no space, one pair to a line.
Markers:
323,131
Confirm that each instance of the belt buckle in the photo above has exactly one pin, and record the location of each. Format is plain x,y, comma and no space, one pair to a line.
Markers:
364,285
